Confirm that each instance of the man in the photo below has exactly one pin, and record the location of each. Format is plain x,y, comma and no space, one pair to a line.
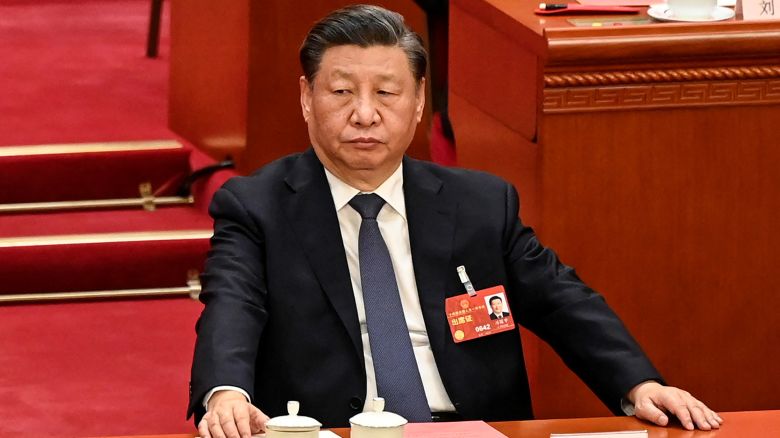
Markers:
497,305
319,257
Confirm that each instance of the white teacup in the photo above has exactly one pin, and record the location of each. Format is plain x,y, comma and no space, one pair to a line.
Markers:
292,425
377,423
693,9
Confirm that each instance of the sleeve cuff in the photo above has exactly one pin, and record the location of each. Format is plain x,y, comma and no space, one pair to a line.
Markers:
627,407
223,388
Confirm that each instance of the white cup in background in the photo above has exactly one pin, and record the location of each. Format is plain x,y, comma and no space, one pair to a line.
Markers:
693,9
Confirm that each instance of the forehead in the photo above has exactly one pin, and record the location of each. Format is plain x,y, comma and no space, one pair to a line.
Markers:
360,63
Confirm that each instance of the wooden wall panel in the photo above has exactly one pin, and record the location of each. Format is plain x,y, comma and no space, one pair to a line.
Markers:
671,215
234,75
208,74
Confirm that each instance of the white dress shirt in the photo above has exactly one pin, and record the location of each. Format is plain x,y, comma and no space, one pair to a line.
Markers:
395,231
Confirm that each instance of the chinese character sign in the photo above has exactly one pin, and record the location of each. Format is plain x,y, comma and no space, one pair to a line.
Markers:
760,10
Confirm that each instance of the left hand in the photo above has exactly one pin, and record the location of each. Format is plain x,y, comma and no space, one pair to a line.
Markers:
652,401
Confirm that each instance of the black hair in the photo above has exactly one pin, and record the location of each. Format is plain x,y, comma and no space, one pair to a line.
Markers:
364,26
495,297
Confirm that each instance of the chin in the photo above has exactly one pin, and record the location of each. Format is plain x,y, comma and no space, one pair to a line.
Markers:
364,164
366,160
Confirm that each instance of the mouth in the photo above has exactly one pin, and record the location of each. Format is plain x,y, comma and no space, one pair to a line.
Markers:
364,141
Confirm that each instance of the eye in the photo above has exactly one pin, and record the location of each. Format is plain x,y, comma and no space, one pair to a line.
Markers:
384,93
340,92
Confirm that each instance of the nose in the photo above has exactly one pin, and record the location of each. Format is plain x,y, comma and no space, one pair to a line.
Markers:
365,113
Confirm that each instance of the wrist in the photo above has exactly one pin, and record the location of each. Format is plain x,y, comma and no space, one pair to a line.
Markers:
225,395
216,389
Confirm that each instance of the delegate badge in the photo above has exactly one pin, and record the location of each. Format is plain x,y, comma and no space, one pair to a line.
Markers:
478,313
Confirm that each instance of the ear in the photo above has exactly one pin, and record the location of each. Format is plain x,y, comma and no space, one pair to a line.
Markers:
420,100
305,98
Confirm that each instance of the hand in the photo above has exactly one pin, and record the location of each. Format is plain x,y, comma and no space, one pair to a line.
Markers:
230,415
651,400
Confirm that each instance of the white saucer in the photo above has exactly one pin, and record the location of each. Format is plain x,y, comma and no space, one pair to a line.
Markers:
661,12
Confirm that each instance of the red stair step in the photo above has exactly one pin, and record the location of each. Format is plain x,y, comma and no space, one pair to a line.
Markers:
104,221
104,250
65,172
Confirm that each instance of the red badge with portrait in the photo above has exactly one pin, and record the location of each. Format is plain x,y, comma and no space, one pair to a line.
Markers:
480,315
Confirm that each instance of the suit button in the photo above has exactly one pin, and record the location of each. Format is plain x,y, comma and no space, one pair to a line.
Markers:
356,403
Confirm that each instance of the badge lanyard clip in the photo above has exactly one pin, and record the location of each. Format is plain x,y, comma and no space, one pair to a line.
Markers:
464,278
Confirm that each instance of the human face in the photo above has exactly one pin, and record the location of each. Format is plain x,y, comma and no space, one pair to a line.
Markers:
362,109
497,306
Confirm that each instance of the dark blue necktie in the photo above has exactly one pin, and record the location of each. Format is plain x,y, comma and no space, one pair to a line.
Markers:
397,376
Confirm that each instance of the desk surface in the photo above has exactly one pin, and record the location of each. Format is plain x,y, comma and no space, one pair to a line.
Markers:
737,425
557,40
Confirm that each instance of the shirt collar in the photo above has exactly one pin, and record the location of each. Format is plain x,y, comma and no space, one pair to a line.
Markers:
392,191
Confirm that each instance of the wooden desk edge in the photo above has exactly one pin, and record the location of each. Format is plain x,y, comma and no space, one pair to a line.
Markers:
736,424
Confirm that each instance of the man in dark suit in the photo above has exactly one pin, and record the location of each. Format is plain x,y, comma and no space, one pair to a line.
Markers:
497,307
320,258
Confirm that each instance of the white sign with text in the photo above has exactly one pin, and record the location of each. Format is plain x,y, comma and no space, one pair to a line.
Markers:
760,9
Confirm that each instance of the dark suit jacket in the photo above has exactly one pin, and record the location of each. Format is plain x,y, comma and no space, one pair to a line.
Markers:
277,252
494,316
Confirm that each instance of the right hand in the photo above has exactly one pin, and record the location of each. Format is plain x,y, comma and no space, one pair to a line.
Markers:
230,415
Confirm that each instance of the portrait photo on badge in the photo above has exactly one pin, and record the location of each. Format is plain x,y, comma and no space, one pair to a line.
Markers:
496,306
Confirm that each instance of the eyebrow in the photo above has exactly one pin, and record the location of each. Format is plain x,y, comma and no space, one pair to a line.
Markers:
342,74
346,75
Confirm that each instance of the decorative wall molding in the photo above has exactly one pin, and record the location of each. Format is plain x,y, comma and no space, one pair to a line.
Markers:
647,96
661,75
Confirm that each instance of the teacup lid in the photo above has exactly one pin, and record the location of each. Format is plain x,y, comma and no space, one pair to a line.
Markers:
293,422
377,418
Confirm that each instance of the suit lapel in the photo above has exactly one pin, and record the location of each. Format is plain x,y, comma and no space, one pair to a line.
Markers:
311,212
430,212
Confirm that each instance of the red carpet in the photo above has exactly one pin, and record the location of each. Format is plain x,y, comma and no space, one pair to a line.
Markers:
101,368
75,71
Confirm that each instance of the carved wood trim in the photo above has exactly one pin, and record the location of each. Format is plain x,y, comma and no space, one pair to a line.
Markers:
660,75
647,96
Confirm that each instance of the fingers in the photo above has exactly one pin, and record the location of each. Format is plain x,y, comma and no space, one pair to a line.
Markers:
684,415
228,416
212,427
227,422
694,414
257,420
203,428
646,410
704,416
215,428
691,412
699,417
241,417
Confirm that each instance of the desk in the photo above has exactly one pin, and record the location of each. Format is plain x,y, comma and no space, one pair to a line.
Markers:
647,156
737,425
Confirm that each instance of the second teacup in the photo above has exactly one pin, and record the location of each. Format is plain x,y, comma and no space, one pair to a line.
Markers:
692,9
